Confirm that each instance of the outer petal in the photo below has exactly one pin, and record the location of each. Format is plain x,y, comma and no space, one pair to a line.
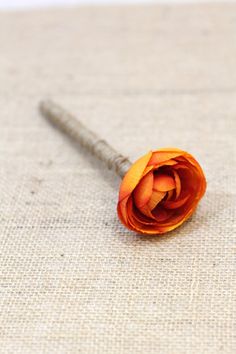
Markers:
155,167
122,210
133,176
159,156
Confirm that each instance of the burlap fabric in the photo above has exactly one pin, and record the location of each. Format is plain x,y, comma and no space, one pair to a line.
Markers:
73,280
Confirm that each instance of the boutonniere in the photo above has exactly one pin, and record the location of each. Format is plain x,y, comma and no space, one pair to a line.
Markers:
158,192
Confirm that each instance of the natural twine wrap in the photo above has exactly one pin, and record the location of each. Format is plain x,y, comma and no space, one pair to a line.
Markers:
79,133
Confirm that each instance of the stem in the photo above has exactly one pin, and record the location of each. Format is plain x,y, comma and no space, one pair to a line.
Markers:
72,127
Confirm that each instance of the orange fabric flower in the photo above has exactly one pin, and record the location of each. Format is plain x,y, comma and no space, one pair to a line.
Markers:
160,191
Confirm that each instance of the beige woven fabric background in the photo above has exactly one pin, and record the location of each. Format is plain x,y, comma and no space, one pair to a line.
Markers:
73,280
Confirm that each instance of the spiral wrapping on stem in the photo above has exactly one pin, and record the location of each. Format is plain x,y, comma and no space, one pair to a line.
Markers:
72,127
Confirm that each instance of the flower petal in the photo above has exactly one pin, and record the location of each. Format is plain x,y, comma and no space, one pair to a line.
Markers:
145,210
177,183
156,197
160,156
161,214
170,194
176,203
143,191
122,210
136,224
141,217
133,176
163,183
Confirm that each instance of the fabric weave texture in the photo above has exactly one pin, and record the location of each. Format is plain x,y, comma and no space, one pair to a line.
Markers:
73,279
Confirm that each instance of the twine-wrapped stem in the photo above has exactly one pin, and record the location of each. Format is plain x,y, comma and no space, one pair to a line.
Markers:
72,127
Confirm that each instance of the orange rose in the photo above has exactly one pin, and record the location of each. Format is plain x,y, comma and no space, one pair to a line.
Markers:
160,191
